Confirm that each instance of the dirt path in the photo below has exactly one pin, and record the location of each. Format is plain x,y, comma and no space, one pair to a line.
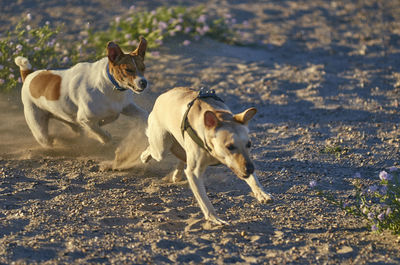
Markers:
321,73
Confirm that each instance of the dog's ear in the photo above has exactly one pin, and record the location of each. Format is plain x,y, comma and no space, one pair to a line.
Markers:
113,51
141,48
210,119
245,116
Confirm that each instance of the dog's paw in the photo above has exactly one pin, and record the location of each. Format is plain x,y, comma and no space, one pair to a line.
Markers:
217,221
264,197
145,157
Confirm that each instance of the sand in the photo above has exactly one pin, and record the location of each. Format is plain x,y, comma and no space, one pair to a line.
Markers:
320,73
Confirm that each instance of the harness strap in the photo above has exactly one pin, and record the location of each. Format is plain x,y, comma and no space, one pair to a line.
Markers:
113,81
185,125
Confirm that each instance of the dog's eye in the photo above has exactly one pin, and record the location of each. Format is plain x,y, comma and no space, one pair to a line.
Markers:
248,145
230,147
129,71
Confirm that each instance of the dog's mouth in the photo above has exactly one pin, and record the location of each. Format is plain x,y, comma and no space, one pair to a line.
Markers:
139,85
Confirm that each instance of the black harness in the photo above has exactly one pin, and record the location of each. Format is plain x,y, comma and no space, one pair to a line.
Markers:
185,125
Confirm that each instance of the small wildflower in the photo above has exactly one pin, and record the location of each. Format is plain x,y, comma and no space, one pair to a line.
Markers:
245,23
118,19
178,28
128,36
47,23
153,12
1,81
186,42
172,33
381,216
202,19
19,80
1,67
393,168
28,27
345,205
313,183
388,211
383,175
36,48
187,30
162,25
65,59
19,47
374,228
29,16
371,216
132,43
11,76
206,28
132,7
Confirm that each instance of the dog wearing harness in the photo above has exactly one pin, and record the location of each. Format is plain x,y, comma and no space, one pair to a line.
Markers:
200,130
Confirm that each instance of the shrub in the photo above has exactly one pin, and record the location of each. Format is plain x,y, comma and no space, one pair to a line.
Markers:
162,23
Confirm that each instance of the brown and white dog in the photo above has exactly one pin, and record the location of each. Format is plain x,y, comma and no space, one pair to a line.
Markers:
85,96
200,130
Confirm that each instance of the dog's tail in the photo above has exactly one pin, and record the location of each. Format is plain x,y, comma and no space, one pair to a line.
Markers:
25,67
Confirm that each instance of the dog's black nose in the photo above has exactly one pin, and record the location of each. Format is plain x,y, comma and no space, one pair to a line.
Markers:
143,83
249,168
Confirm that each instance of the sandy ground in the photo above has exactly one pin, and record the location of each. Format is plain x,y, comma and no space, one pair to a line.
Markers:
320,73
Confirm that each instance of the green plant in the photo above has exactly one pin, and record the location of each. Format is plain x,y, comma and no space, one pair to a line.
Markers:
39,45
379,204
160,24
336,150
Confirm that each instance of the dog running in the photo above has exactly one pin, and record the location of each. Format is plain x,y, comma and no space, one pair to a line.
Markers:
85,96
200,130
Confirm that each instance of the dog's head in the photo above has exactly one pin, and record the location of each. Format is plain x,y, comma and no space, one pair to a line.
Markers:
128,69
227,136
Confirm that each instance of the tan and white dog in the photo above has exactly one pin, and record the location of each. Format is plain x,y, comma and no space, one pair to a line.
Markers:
85,96
199,129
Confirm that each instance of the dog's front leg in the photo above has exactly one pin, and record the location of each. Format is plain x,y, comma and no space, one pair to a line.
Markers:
259,192
196,183
93,128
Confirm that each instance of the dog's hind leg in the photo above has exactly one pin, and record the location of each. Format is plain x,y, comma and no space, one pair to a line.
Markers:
159,141
38,123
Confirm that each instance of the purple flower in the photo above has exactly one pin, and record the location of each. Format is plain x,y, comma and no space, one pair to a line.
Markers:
162,25
346,204
29,16
2,81
186,42
374,228
202,18
371,216
388,211
206,28
47,23
65,59
153,12
128,36
313,183
1,67
117,19
132,43
178,28
131,8
187,30
11,76
381,216
383,175
28,27
391,169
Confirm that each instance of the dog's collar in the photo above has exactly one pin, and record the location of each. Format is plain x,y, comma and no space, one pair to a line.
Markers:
113,81
185,125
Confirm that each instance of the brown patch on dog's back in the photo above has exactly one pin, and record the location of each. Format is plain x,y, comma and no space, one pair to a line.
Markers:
46,84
